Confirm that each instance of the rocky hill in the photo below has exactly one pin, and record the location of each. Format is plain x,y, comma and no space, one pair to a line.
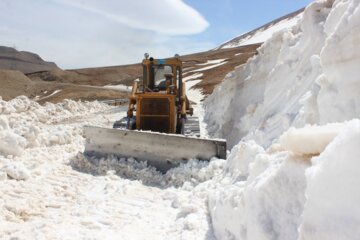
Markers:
26,62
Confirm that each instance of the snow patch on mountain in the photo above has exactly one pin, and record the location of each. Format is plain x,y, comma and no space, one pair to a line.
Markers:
265,32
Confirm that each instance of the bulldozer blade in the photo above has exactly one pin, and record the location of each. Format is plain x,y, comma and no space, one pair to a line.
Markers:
163,151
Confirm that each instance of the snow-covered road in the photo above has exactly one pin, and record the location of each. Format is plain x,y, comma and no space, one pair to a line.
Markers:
50,191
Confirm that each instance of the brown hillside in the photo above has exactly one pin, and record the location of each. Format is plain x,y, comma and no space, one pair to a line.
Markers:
86,84
15,83
26,62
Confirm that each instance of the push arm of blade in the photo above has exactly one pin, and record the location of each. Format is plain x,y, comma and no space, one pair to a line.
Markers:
183,101
132,100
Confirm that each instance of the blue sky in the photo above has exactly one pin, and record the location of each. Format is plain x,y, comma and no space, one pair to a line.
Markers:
229,18
78,33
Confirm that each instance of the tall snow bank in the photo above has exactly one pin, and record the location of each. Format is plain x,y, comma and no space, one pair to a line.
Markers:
304,75
263,193
265,203
338,97
332,208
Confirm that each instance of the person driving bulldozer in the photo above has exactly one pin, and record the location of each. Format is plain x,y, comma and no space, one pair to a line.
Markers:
163,85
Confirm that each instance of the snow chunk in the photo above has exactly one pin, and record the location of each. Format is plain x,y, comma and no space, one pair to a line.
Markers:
16,171
241,156
332,208
21,103
310,140
3,176
4,123
11,143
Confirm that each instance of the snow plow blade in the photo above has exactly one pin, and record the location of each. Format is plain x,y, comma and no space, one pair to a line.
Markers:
163,151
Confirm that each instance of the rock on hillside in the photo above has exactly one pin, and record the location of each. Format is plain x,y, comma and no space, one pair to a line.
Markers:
25,62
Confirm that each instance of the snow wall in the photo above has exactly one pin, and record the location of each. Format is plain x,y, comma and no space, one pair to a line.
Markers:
290,115
26,124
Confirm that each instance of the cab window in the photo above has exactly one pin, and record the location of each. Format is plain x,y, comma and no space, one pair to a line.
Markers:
159,72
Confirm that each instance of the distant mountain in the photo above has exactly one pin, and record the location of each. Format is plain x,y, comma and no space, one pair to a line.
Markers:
26,62
261,34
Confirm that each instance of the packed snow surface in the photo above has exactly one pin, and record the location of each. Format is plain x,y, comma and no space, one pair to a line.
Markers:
210,62
50,95
291,118
120,87
51,191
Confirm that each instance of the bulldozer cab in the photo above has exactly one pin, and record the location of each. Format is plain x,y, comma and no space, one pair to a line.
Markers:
160,102
162,74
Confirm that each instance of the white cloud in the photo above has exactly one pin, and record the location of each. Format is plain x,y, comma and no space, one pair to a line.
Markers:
171,17
75,37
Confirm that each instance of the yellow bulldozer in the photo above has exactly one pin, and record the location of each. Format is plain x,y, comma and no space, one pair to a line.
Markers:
159,127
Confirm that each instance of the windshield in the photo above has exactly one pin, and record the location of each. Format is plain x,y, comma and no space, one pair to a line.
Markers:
159,72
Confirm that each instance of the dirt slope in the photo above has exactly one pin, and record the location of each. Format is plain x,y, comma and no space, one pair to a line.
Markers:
15,83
